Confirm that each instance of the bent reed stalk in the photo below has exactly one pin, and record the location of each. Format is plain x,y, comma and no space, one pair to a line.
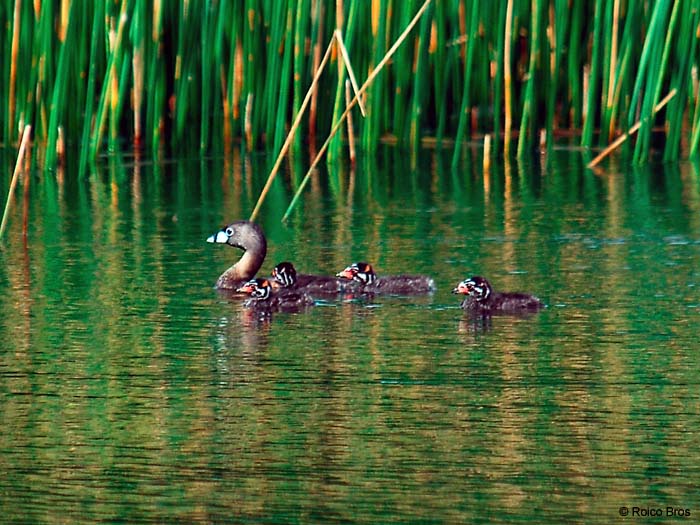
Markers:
171,74
352,103
622,138
15,175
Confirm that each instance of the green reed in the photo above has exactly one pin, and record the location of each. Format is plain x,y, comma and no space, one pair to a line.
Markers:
166,75
685,53
466,105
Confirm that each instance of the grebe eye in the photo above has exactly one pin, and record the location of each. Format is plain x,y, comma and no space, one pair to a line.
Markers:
229,231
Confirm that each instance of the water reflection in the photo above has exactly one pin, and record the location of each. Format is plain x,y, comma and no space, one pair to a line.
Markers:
130,390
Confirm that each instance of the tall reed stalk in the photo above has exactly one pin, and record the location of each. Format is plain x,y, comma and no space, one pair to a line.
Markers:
167,75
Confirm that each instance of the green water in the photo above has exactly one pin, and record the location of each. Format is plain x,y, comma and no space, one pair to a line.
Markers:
132,392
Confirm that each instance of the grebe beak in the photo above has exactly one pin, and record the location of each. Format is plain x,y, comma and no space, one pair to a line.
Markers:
219,237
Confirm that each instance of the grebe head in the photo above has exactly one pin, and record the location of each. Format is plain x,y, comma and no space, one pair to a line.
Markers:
285,274
361,272
476,287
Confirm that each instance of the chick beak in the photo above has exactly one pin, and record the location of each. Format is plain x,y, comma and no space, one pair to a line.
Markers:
346,274
461,289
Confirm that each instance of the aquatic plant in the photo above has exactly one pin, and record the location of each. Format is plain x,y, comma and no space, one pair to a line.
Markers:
205,74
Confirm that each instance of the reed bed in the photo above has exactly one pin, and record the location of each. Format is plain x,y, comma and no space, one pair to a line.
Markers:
170,75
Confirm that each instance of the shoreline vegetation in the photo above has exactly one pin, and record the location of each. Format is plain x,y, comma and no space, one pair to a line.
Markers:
160,75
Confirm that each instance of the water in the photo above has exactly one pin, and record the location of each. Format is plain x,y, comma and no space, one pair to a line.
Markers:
132,392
